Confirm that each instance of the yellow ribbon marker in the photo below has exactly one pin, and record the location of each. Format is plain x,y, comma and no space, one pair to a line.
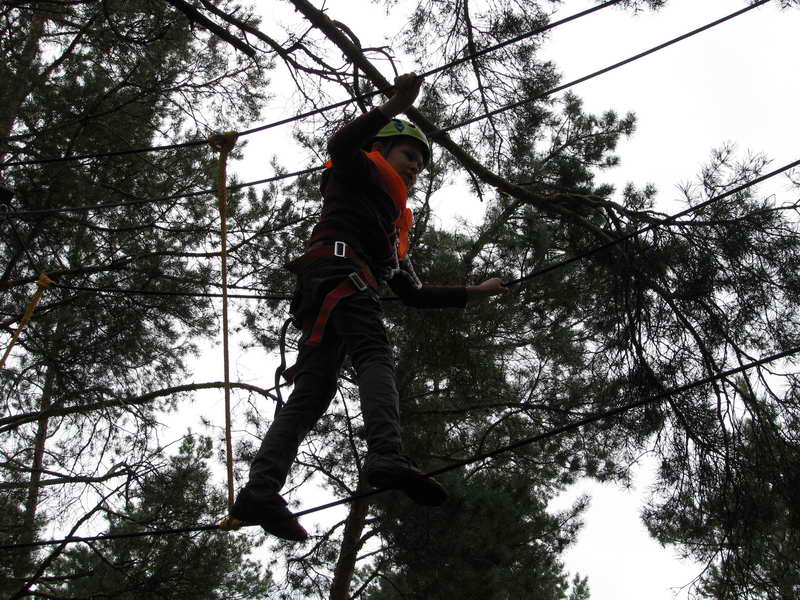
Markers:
42,284
223,144
230,524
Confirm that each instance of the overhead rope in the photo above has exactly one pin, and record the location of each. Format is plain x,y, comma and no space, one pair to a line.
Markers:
141,201
223,144
670,220
311,113
83,288
480,117
41,285
551,433
602,71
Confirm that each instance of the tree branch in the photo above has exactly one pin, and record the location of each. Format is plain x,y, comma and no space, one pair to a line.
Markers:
352,52
14,421
196,16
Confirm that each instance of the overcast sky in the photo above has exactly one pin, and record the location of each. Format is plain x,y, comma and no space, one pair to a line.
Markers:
736,83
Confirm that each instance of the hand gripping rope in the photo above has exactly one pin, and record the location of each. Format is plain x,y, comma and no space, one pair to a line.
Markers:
223,144
42,284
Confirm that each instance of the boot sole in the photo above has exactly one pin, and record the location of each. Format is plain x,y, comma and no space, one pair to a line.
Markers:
421,489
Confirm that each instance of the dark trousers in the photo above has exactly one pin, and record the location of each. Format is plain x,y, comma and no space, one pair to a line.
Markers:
355,328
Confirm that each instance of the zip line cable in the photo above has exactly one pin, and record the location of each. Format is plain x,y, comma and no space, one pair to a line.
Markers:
329,107
486,115
652,226
598,416
669,220
604,70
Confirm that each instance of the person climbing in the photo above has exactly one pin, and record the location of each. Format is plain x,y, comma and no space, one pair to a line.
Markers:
360,241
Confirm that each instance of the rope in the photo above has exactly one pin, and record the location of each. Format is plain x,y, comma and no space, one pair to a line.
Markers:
593,418
486,115
323,109
599,72
41,285
223,144
551,267
139,202
82,288
670,219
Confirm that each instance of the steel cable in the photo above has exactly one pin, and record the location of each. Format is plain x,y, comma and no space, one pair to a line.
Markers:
593,418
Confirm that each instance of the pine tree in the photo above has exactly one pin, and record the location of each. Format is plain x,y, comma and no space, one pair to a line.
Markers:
209,565
79,388
688,299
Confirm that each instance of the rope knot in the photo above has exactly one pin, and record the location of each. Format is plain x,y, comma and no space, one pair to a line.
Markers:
230,524
223,142
44,281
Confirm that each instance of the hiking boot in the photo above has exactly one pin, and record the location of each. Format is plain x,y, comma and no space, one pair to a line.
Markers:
268,510
399,472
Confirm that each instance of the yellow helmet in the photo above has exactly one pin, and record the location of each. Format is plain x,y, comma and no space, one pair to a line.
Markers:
403,128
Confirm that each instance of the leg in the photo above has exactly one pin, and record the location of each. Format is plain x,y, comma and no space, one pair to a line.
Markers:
315,386
357,323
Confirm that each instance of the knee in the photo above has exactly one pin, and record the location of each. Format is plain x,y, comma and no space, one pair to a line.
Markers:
311,396
379,363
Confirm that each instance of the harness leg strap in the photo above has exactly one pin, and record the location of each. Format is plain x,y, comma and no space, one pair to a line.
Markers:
345,289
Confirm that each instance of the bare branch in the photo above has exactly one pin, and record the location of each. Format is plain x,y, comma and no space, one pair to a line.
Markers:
196,16
14,421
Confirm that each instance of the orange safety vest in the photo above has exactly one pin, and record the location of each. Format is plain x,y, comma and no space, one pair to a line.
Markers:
399,193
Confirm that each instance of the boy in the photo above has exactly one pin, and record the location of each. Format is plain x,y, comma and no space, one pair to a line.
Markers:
361,239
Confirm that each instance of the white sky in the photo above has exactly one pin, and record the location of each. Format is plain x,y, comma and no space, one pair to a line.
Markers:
737,82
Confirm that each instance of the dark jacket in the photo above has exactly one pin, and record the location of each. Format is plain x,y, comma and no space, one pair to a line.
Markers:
357,209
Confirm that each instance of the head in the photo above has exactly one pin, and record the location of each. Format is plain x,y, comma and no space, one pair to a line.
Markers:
406,156
404,147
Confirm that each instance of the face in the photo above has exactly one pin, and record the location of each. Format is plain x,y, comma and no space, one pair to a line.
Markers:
406,158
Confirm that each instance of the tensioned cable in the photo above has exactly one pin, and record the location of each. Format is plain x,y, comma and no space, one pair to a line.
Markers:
236,186
599,416
647,228
551,267
134,292
329,107
604,70
433,134
81,288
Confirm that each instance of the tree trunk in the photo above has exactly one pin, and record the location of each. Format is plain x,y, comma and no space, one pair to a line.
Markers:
351,544
18,89
22,566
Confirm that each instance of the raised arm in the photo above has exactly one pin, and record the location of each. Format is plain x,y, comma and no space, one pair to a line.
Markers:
346,144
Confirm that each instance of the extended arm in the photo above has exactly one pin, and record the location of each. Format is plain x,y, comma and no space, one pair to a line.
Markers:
345,145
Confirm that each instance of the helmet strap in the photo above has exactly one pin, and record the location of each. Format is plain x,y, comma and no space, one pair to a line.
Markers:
387,146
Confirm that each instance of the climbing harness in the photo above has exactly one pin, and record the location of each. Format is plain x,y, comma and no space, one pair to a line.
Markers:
357,281
42,284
